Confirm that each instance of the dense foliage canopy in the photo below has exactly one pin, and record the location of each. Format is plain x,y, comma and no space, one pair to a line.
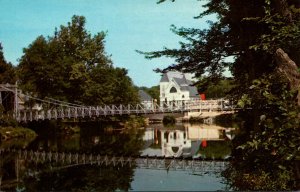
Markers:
248,31
244,39
72,65
7,70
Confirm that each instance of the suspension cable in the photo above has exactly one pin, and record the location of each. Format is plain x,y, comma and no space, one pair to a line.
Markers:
72,104
54,101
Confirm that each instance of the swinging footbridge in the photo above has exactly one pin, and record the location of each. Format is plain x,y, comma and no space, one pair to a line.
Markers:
65,110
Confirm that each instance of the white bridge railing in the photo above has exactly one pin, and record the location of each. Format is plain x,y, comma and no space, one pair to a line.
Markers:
65,160
64,110
90,111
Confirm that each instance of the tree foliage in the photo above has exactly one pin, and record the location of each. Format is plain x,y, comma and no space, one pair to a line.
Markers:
152,91
215,90
7,75
72,65
7,70
269,139
240,32
250,32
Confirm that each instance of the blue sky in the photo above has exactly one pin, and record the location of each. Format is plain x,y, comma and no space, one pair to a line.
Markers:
130,24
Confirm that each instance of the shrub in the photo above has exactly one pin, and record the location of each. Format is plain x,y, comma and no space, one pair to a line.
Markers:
169,119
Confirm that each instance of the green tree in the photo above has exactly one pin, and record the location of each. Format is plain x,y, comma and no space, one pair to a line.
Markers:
152,91
124,92
7,75
72,65
7,70
250,31
215,90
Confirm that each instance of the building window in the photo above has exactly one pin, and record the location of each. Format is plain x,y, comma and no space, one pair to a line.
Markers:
173,90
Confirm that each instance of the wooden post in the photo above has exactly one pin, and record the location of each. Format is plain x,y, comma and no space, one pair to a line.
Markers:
17,169
75,112
16,103
200,106
222,105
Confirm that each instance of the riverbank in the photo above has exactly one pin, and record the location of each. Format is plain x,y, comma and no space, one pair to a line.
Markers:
226,119
9,133
70,127
16,137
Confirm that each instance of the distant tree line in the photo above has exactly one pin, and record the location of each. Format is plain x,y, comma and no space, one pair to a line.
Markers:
152,91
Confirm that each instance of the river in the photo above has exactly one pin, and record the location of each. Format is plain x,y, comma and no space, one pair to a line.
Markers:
30,168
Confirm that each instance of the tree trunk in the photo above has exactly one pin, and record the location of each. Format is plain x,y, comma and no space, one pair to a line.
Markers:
289,70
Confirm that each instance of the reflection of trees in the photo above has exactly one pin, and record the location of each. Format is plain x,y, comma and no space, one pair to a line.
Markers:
216,149
94,138
48,138
50,176
81,178
10,170
157,140
128,143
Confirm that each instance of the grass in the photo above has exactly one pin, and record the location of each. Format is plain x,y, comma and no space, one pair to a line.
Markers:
7,133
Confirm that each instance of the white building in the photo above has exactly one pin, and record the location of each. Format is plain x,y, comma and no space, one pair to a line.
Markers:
175,86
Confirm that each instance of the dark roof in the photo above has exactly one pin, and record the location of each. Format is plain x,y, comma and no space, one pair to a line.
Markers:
189,82
185,85
195,147
179,81
193,150
164,78
169,75
144,96
193,91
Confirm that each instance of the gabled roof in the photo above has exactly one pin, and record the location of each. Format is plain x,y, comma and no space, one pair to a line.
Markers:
144,96
193,91
164,78
180,82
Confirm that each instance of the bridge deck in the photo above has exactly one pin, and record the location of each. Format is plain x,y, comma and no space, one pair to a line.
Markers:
59,109
90,111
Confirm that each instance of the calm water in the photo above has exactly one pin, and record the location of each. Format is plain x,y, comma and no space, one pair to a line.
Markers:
182,140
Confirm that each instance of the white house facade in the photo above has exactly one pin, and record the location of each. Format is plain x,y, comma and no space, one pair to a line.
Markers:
175,86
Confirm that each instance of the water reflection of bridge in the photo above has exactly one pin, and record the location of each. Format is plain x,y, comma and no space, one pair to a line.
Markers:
65,160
